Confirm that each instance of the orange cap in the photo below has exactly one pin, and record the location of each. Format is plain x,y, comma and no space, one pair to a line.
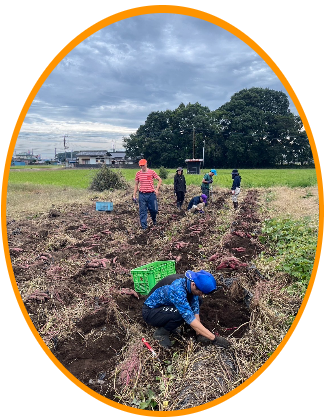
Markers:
142,162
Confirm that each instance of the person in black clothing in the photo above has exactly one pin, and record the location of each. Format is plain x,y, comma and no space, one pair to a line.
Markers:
235,189
179,187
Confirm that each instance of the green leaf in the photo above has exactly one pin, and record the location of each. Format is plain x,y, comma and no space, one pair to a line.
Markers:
144,405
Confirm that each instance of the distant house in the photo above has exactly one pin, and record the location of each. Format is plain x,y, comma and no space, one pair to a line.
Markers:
24,158
93,157
118,158
100,157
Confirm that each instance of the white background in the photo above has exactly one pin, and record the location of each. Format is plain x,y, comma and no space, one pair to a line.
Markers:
32,33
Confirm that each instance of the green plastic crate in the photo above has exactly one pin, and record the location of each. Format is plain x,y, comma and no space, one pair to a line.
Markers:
147,276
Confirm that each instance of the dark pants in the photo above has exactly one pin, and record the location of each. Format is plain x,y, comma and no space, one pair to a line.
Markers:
180,198
164,316
147,201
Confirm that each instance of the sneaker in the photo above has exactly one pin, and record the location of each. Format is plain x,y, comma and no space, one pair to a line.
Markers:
202,211
160,332
162,335
164,342
177,331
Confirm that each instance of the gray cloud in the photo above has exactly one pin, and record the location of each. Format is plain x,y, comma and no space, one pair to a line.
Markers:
105,88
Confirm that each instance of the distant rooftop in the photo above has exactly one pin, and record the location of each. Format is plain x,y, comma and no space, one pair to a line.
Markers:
118,154
97,153
94,153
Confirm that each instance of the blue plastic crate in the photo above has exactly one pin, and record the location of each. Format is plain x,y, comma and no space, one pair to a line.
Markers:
104,206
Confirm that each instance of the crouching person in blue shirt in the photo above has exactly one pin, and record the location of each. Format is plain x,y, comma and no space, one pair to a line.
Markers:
176,299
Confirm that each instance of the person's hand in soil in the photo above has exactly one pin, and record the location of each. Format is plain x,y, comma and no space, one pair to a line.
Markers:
201,339
218,341
221,342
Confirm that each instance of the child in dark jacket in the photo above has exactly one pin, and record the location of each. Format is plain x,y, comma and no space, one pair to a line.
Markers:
197,204
235,189
179,187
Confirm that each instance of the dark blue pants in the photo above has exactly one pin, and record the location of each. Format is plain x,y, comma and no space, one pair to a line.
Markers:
147,201
164,316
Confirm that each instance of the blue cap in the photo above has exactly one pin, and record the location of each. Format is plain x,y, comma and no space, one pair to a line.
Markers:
203,280
214,171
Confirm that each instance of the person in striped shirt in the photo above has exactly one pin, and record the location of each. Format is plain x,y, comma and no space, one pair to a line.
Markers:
147,193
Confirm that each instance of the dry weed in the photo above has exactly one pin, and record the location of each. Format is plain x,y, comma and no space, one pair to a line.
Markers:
294,203
34,200
273,311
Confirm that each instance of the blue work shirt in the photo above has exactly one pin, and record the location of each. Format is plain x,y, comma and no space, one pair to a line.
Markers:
176,294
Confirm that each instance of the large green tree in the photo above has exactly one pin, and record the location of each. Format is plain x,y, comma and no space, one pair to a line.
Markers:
254,129
169,137
258,130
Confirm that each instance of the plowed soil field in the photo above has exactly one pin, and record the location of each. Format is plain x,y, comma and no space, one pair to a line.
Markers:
72,266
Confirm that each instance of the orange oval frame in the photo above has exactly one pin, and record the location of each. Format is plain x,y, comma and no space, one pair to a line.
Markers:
103,23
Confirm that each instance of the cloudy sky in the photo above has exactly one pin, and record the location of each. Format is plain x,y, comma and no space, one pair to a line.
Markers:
104,89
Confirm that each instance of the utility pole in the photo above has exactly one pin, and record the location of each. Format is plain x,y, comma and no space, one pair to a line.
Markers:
193,143
203,153
65,148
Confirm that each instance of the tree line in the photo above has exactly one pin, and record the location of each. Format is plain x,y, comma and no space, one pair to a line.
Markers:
255,129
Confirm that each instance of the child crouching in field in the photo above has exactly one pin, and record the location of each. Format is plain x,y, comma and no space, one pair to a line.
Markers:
197,204
235,189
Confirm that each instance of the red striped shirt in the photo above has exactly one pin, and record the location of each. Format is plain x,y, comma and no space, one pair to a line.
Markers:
146,180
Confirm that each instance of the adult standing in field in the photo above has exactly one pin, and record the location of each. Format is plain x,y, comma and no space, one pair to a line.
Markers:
147,193
207,181
235,189
175,300
179,187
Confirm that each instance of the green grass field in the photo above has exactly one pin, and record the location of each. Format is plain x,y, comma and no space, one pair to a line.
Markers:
251,178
